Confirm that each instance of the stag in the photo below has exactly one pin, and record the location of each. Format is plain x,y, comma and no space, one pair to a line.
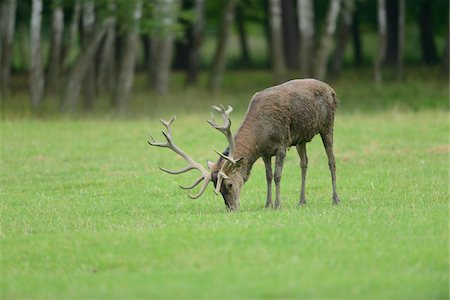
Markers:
289,114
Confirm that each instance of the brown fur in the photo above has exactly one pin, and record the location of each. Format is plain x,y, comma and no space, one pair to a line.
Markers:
289,114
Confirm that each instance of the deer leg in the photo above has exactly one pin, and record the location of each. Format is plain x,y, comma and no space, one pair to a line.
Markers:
279,161
268,165
301,149
327,139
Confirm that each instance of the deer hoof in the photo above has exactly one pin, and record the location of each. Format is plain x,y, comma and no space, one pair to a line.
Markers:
302,202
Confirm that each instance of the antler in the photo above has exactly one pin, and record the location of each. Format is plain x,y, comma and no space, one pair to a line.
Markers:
206,176
225,129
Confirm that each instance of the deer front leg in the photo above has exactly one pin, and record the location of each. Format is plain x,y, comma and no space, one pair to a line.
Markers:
301,149
279,161
327,140
268,165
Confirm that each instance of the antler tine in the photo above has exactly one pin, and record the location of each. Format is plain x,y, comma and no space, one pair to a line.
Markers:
202,190
225,129
191,163
196,182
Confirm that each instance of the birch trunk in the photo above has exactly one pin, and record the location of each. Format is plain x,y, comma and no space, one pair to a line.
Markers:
36,69
163,44
381,41
128,61
8,20
54,72
278,62
400,39
222,44
306,28
81,66
326,40
194,51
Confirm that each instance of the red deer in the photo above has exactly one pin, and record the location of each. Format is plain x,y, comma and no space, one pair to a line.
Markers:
289,114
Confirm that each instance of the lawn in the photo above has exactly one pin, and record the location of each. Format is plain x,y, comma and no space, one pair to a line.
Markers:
85,213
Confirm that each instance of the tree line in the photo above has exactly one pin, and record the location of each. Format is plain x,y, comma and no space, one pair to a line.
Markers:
91,47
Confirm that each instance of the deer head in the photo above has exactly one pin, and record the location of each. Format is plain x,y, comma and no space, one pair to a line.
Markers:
222,173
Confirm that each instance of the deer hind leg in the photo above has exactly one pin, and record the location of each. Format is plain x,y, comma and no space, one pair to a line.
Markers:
327,139
268,165
301,149
279,161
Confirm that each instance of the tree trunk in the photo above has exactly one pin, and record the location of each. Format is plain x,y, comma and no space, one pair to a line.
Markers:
392,22
278,63
290,33
196,41
356,37
23,45
445,57
128,62
54,72
73,34
162,44
344,33
107,66
381,41
240,19
400,39
219,60
306,28
36,69
88,21
327,40
81,67
429,52
7,22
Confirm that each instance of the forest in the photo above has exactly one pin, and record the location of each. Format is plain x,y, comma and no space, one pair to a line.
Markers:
74,55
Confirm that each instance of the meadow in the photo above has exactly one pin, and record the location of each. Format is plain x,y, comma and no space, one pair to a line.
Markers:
86,214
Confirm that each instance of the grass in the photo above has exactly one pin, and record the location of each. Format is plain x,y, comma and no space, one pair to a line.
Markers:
85,213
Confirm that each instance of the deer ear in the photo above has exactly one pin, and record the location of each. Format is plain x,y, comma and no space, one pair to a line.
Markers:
210,164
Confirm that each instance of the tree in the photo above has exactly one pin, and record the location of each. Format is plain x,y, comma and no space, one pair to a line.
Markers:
107,67
428,45
278,64
128,61
243,40
36,68
356,36
165,14
290,33
196,36
7,22
344,32
219,60
88,22
73,32
400,39
81,66
55,61
381,13
392,32
306,28
327,39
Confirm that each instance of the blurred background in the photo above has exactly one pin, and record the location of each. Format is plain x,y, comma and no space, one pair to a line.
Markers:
152,57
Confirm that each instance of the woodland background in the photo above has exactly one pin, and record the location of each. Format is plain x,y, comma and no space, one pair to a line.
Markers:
78,55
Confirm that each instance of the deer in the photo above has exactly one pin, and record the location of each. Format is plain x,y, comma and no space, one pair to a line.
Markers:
277,118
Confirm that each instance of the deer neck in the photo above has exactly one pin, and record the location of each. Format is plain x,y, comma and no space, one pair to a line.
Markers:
245,148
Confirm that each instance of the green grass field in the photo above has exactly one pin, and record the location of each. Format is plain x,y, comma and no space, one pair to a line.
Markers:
85,213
